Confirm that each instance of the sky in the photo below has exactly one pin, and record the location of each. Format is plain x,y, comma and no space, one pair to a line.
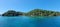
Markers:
27,5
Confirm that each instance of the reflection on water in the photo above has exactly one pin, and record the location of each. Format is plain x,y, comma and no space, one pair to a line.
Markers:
29,21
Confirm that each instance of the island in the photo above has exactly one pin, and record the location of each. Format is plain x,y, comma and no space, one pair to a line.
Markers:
35,12
12,13
40,12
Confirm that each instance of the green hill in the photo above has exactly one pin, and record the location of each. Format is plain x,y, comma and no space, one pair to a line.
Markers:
12,13
35,12
39,12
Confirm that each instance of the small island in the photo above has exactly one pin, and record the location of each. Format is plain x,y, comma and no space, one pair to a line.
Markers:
35,12
12,13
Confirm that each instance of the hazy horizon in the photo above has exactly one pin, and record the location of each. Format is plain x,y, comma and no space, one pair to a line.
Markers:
27,5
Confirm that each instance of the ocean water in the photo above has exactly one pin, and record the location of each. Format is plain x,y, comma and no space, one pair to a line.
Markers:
30,21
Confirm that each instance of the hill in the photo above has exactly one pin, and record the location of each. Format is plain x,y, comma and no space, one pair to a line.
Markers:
39,12
35,12
12,13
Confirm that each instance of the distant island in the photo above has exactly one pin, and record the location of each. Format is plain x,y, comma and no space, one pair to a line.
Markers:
12,13
35,12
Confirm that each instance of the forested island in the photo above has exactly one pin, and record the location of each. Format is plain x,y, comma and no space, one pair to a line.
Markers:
35,12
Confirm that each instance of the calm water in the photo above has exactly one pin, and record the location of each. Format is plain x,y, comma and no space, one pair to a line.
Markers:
29,21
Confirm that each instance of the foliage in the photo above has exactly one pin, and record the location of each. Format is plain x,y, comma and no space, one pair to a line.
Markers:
12,13
35,12
39,12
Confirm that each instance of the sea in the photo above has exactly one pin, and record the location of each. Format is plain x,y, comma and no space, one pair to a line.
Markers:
29,21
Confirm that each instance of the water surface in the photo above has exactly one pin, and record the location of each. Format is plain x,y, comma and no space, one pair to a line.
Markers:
30,21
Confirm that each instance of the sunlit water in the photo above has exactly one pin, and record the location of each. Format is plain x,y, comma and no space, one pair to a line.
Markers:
30,21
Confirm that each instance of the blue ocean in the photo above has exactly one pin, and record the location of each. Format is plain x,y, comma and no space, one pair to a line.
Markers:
30,21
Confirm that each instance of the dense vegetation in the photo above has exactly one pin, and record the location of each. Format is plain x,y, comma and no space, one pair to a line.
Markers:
12,13
39,12
35,12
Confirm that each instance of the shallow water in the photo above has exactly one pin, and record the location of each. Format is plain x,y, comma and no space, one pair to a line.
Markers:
30,21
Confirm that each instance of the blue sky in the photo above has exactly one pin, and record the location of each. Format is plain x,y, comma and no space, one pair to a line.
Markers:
27,5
